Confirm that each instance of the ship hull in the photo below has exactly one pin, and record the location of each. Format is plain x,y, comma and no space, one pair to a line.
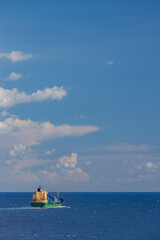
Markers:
45,205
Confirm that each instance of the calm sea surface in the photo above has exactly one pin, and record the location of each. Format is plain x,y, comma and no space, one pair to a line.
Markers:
107,216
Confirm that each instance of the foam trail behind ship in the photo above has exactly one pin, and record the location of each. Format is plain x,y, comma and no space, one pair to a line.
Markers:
30,208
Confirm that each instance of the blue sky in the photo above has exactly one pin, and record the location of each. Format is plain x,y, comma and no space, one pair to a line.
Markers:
79,95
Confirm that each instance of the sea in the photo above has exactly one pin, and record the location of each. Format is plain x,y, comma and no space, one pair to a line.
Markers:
100,216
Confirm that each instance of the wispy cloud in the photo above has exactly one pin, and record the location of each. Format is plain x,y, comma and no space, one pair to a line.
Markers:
27,132
25,177
9,98
14,76
124,147
18,165
16,56
124,157
20,170
47,176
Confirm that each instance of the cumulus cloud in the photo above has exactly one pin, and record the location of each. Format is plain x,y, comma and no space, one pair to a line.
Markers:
149,165
14,76
153,166
9,98
69,169
15,56
68,161
23,167
6,128
19,150
27,132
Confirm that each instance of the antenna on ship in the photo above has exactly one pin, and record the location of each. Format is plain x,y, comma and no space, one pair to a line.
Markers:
57,194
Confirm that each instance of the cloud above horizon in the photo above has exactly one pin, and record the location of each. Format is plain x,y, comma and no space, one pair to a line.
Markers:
14,76
76,175
16,56
27,132
124,147
9,98
22,166
67,161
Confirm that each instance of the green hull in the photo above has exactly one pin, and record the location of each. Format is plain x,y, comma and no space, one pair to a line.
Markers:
45,205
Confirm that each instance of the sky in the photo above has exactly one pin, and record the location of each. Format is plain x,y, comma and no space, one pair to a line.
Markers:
79,95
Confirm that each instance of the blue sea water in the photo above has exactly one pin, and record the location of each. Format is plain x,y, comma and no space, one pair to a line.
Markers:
107,216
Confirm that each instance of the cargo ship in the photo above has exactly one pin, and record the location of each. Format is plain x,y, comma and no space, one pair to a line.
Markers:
41,199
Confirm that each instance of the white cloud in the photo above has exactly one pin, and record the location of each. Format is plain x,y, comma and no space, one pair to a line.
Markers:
27,132
5,114
19,149
73,173
14,76
68,161
154,166
77,175
9,98
149,165
15,56
49,152
6,128
23,167
110,62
